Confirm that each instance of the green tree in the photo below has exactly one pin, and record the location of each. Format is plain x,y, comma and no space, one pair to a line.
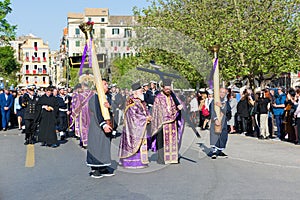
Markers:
125,72
8,63
258,38
7,31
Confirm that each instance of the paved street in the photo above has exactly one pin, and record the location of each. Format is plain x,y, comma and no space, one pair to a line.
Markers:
255,169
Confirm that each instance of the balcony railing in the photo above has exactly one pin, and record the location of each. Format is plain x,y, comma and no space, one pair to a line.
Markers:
36,59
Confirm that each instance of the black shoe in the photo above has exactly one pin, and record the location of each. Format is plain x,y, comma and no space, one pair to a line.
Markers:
266,138
5,129
221,154
214,156
26,142
106,172
95,174
261,137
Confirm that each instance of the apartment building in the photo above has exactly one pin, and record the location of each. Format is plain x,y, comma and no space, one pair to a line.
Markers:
33,53
110,33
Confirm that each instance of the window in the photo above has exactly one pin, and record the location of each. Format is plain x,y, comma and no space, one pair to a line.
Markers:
44,54
102,32
111,43
89,19
102,43
35,54
44,79
35,67
35,44
77,43
124,43
115,31
102,19
77,31
27,54
44,67
127,33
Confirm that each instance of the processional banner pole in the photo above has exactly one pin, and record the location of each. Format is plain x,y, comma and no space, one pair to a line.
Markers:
87,28
216,80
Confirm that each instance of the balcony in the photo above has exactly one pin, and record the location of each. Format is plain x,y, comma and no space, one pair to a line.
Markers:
27,59
34,71
45,59
27,72
36,59
44,71
35,48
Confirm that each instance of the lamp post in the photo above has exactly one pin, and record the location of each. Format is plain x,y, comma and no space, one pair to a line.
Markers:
216,80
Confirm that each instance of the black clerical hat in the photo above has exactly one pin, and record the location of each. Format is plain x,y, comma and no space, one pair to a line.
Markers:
136,86
167,82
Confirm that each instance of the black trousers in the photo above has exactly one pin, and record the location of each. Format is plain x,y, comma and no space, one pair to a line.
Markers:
160,147
298,129
62,121
29,128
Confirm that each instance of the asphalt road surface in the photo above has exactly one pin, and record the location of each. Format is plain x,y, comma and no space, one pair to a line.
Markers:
255,169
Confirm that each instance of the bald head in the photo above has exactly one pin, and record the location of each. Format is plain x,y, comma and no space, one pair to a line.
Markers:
222,92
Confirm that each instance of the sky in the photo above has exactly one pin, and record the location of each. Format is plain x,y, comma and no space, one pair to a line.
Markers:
47,18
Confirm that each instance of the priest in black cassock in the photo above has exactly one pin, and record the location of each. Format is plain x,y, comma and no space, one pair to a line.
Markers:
47,107
99,137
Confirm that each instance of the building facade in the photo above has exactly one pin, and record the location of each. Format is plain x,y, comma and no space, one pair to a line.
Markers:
33,54
110,33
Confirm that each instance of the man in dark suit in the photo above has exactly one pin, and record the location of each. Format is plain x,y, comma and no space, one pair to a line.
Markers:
6,102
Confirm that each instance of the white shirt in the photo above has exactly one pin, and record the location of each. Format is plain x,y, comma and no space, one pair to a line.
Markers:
194,105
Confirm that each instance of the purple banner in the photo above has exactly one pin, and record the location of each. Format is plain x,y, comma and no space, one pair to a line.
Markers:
83,59
210,81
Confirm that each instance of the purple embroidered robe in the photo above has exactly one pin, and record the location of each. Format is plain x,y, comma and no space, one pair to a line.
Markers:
166,117
84,117
133,144
76,109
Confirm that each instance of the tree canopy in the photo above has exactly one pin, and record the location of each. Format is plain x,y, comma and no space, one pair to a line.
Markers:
258,38
8,62
7,31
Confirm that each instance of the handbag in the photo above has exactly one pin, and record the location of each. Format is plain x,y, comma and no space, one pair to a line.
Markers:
205,111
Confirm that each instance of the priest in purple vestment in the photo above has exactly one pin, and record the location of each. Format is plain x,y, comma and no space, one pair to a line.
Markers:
133,144
167,124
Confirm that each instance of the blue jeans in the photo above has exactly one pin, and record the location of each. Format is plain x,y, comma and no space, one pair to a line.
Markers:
5,117
278,120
